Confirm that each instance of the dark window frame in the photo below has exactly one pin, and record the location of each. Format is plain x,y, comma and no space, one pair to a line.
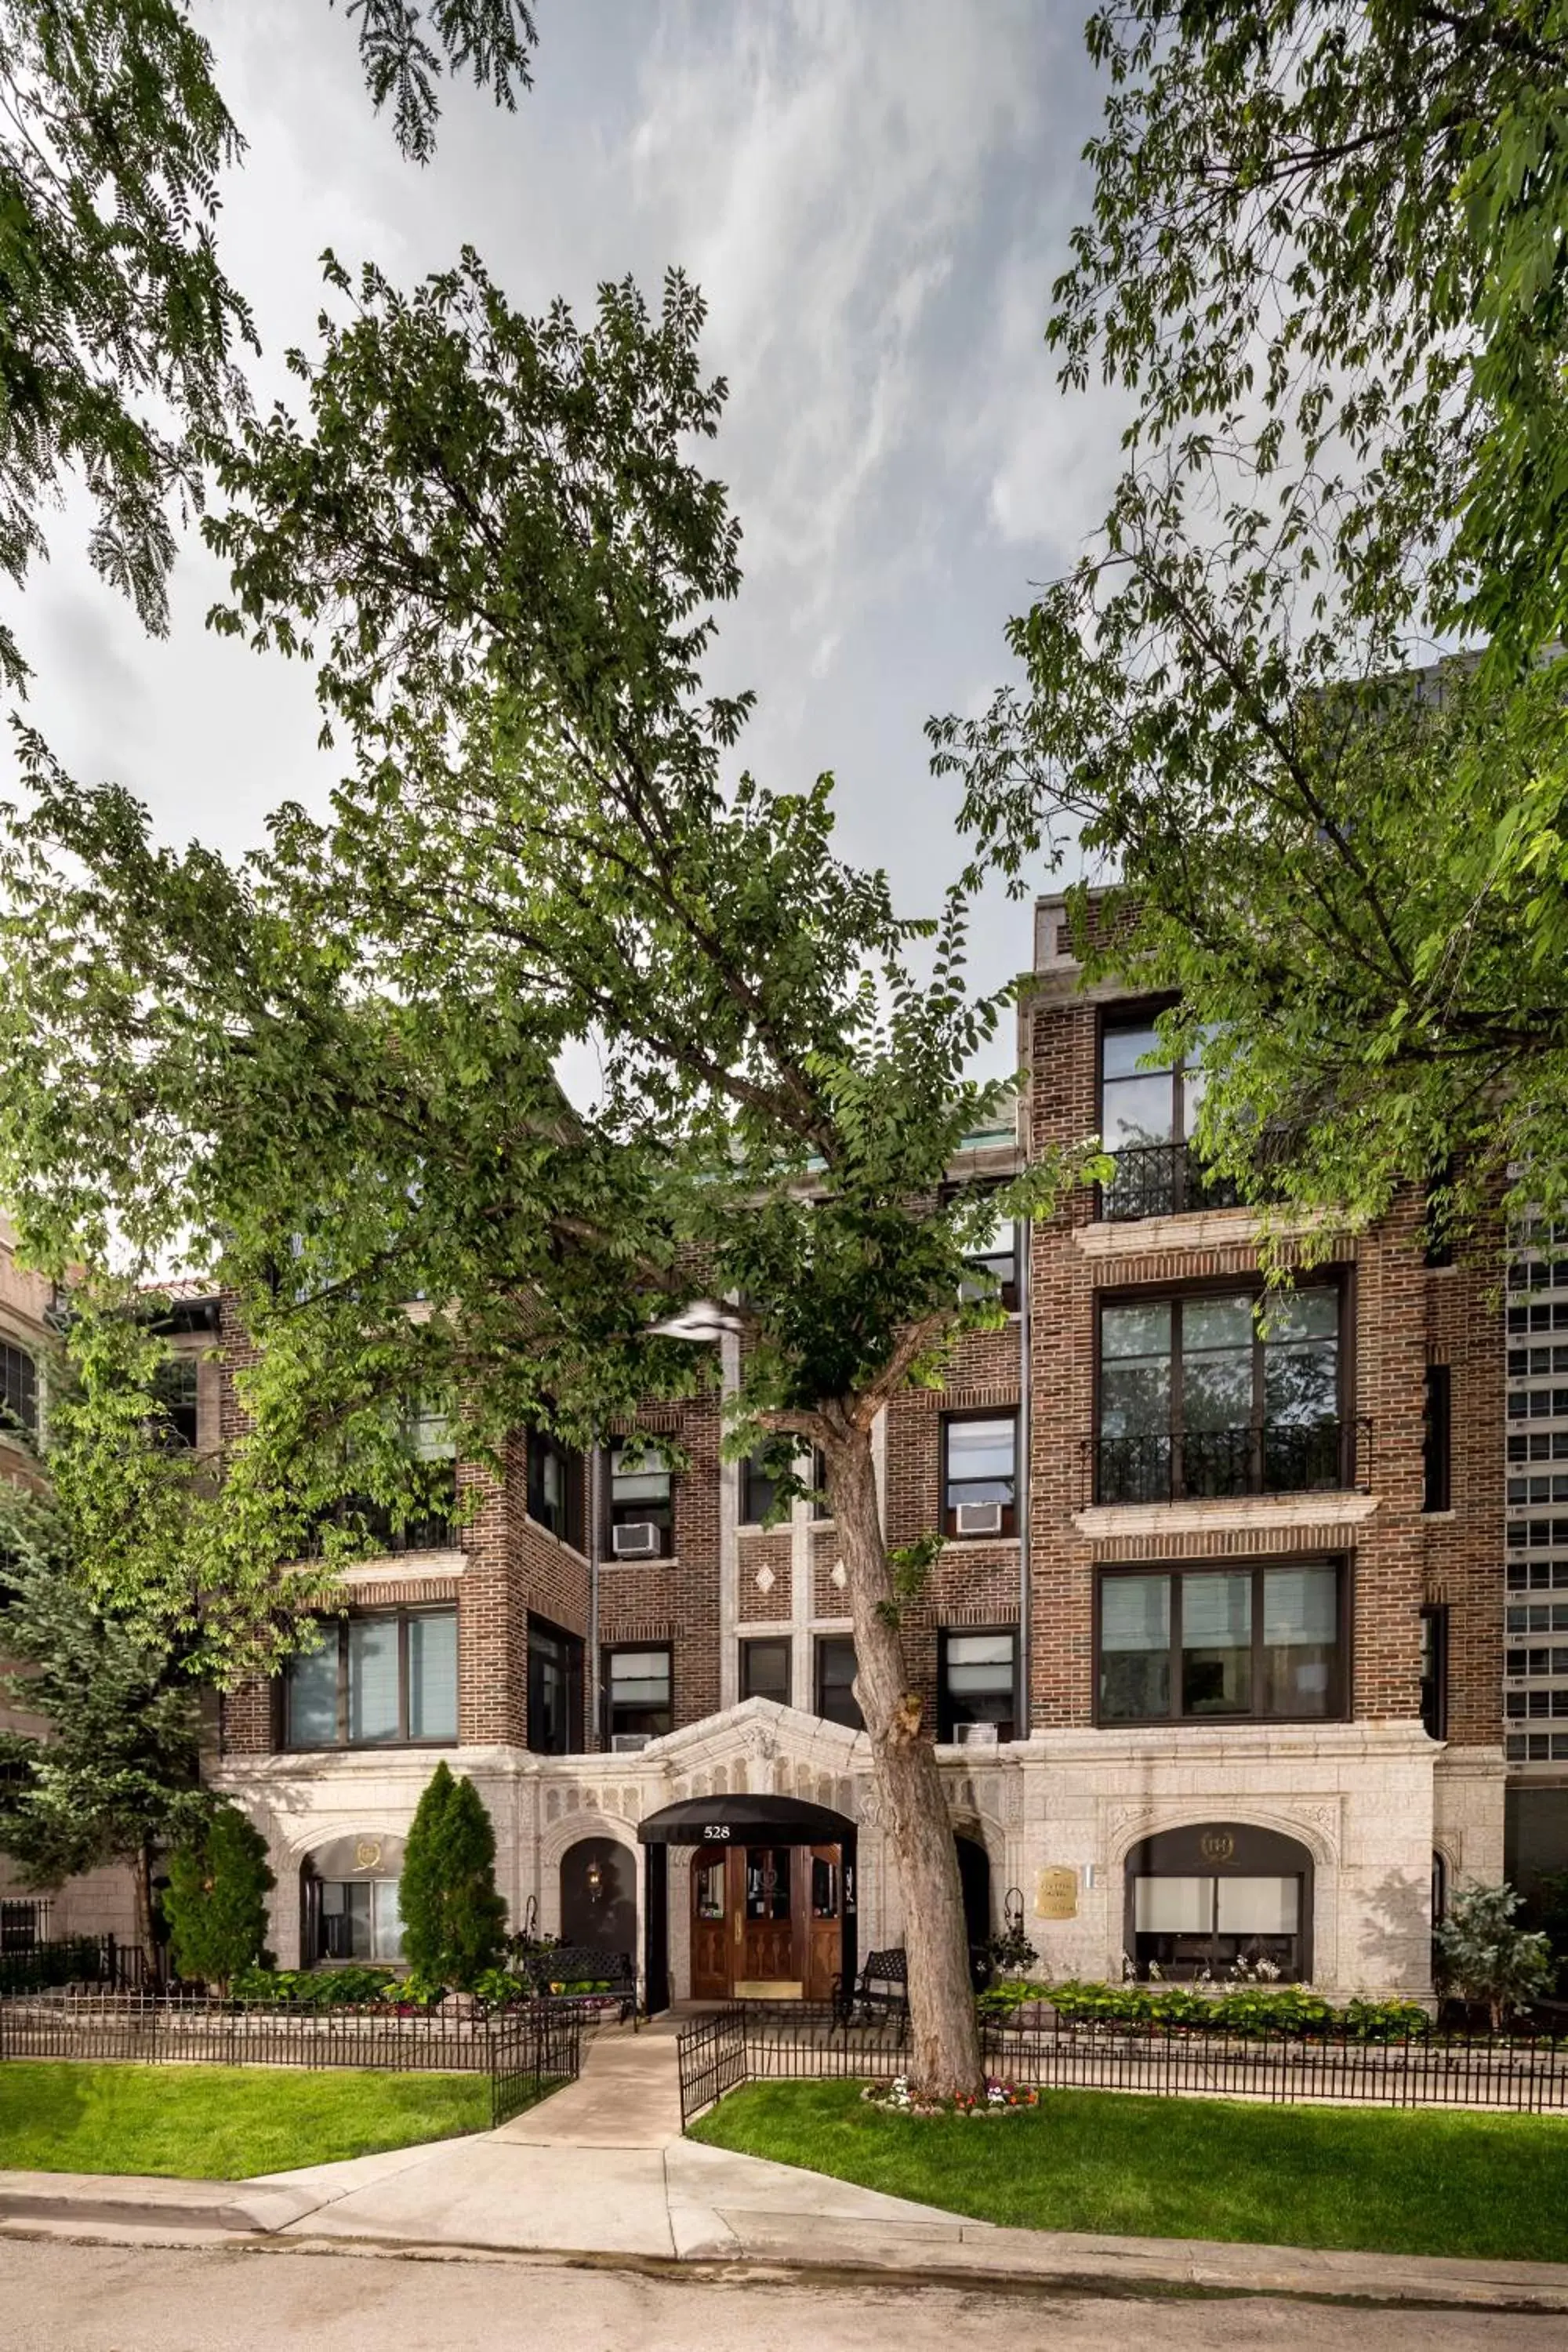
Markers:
1009,1285
19,1386
824,1646
543,1636
948,1718
635,1510
403,1618
542,1446
1340,1695
1434,1671
1437,1440
612,1650
750,1643
950,1420
1176,1296
1190,1190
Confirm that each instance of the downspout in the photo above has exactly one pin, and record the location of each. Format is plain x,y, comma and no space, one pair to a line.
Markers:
1027,1420
594,1727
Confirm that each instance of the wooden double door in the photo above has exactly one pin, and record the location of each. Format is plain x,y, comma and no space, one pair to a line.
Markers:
767,1919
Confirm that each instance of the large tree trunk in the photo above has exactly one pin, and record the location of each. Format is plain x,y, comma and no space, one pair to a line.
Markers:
945,2043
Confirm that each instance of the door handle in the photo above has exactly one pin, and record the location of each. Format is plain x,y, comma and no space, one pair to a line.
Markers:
740,1928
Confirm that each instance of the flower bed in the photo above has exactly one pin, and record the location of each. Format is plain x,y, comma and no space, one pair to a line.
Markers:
997,2099
1240,2010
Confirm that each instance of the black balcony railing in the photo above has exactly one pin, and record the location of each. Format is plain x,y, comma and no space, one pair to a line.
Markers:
1265,1458
436,1531
1163,1179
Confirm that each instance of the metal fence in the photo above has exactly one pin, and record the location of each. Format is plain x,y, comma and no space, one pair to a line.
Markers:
524,2051
756,2042
98,1961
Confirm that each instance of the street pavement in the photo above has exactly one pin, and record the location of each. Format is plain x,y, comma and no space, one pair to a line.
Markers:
70,2298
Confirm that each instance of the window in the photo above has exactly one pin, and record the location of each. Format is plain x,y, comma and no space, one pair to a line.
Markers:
18,1390
758,1492
642,1516
1435,1673
555,1487
360,1919
177,1387
636,1694
1148,1111
1436,1440
1197,1399
980,1475
374,1681
997,1259
978,1683
554,1690
1219,1895
765,1671
1207,1643
835,1696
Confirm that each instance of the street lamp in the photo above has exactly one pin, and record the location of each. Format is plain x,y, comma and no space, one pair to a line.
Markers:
703,1319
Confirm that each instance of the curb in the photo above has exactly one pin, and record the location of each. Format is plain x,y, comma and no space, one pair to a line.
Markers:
202,2231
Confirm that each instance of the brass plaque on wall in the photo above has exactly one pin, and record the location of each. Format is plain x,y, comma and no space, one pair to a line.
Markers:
1055,1892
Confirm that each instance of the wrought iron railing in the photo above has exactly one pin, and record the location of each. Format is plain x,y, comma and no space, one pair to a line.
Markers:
1163,1179
1277,1457
24,1923
754,2042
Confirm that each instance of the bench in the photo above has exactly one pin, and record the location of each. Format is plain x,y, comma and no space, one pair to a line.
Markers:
881,1990
585,1964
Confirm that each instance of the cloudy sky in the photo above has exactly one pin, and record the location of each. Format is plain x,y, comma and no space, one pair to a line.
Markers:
874,196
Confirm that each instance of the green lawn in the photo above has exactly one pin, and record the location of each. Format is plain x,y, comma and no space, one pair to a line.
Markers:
220,2123
1406,2183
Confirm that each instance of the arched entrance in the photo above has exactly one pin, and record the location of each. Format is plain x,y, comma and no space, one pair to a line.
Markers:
599,1896
1218,1900
772,1898
974,1878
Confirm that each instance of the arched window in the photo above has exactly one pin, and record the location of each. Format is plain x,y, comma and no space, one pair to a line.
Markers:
349,1891
1220,1901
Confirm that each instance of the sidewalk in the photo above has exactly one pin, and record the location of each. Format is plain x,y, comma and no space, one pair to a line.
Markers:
600,2172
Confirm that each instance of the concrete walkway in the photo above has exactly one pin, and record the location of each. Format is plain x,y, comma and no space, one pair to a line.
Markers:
599,2170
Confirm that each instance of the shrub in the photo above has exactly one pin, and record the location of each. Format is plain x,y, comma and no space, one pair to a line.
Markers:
314,1988
215,1900
1484,1956
1253,2010
453,1920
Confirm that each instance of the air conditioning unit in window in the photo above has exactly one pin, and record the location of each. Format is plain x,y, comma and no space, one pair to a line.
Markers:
638,1541
627,1743
974,1735
979,1519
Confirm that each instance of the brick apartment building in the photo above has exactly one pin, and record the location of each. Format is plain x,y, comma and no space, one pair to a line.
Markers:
1213,1649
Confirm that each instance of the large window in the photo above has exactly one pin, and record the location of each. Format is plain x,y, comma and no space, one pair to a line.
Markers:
1217,1899
1205,1643
835,1696
1200,1397
374,1681
978,1684
555,1487
18,1390
1148,1111
766,1670
637,1696
641,1502
554,1690
980,1475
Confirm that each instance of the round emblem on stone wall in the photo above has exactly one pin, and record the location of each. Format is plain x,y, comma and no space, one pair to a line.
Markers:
1217,1845
367,1853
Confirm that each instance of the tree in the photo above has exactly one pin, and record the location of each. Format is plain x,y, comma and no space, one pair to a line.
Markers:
116,1775
454,1922
119,333
215,1900
342,1060
1322,267
1483,1955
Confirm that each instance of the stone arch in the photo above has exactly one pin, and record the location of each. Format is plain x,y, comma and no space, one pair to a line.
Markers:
1220,1893
1184,1814
556,1841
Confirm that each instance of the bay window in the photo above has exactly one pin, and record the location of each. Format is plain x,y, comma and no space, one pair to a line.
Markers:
1207,1643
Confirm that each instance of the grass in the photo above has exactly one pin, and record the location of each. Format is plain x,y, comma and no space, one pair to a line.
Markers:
220,2123
1429,2183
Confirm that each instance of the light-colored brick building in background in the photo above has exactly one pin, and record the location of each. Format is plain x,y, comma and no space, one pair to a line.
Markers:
1213,1650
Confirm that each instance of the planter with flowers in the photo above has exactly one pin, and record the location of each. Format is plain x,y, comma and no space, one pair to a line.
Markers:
997,2099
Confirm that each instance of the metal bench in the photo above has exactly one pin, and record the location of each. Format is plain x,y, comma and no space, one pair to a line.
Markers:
585,1964
881,1990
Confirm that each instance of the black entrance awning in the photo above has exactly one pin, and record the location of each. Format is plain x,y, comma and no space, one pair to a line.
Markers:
724,1820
